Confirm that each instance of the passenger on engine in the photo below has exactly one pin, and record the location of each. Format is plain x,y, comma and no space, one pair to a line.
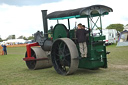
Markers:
83,26
81,38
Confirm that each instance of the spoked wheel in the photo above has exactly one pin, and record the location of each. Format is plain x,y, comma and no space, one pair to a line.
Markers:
64,56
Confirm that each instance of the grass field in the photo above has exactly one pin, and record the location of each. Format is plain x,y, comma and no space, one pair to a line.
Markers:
13,71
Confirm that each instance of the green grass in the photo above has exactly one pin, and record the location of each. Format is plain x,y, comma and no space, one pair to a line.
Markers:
13,71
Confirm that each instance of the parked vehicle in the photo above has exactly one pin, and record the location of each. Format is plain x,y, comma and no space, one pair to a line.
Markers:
110,34
114,35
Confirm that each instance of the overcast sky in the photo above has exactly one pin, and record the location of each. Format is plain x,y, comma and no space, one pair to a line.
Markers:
26,2
23,17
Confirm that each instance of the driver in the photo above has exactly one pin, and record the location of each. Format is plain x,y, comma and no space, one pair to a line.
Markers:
81,38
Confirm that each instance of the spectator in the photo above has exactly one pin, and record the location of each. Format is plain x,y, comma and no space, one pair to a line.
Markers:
4,49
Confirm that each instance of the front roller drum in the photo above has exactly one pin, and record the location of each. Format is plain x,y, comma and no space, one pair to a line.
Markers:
64,56
43,62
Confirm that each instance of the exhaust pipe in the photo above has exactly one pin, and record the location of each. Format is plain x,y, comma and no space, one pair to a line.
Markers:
45,24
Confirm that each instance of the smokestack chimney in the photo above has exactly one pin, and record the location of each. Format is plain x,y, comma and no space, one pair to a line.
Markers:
45,24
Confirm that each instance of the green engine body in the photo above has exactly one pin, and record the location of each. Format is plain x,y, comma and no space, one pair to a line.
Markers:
96,55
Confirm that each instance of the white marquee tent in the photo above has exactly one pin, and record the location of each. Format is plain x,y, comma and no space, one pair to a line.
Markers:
16,41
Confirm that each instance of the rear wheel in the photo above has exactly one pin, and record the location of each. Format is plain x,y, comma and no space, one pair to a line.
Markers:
64,56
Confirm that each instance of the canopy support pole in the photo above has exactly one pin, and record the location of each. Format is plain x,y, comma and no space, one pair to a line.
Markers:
101,24
57,21
88,25
68,24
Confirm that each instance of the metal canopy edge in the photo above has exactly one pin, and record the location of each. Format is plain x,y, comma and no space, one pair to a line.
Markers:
94,10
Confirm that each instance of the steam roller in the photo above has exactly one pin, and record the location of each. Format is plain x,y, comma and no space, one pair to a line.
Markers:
59,47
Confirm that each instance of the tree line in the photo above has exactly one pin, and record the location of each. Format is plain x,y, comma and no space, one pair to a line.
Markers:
118,27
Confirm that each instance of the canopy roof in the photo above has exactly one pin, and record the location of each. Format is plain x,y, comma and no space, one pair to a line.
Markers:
94,10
